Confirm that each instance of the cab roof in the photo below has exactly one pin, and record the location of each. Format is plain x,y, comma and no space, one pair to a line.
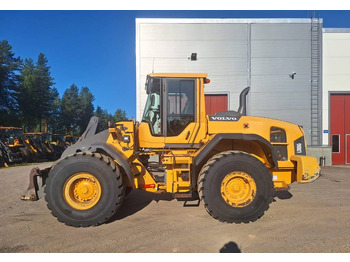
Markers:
179,75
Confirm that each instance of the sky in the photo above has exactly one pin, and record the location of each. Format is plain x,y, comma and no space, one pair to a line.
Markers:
96,48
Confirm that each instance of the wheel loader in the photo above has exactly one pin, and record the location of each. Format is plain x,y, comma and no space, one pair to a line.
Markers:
11,144
231,162
42,143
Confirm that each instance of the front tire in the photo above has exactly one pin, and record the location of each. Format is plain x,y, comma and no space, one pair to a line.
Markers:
235,187
84,189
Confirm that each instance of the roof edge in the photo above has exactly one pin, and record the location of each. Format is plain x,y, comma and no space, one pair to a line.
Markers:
336,30
225,20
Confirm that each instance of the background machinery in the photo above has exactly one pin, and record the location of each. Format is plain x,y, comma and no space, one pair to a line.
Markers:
231,162
11,145
17,147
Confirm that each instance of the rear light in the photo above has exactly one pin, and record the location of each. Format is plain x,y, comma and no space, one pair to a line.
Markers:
206,80
149,186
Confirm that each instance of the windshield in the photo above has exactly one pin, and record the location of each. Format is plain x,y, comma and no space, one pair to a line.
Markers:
151,114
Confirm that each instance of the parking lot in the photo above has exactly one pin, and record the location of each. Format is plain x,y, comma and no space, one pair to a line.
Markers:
307,219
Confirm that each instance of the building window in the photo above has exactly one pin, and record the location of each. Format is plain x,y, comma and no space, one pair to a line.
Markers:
335,143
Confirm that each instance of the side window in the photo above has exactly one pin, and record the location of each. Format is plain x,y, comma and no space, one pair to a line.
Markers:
152,113
335,144
180,105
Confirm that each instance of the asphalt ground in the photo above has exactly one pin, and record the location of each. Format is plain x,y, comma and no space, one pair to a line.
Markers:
310,218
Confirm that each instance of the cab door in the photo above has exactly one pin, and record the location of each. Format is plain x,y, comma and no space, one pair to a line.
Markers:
180,121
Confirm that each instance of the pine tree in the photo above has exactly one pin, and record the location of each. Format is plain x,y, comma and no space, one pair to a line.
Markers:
104,117
43,90
54,122
9,65
24,95
69,109
119,115
85,109
36,94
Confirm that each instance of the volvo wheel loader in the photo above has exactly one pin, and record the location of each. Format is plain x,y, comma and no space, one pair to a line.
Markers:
231,162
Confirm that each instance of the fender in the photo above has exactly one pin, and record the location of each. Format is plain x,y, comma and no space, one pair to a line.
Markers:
267,147
93,142
117,156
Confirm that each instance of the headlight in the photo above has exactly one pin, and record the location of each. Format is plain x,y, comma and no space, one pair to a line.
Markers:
126,139
277,135
278,140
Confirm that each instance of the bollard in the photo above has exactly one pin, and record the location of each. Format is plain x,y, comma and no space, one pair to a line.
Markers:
322,161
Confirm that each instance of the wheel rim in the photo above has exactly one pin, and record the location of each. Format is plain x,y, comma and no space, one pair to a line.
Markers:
82,191
238,189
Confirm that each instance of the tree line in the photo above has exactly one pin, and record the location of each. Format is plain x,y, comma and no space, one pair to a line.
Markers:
29,99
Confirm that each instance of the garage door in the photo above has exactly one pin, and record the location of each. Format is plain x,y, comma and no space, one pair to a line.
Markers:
340,128
215,103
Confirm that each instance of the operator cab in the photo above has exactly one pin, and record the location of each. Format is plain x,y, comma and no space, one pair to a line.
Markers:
170,105
172,113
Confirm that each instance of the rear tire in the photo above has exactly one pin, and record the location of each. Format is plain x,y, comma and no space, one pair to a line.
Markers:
235,187
84,189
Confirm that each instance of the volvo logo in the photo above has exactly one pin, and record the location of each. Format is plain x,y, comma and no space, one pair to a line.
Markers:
223,118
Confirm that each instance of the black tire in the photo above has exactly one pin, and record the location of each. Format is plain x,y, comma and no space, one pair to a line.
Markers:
106,172
212,176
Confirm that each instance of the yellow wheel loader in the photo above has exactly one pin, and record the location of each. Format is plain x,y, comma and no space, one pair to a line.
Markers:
11,144
231,162
42,144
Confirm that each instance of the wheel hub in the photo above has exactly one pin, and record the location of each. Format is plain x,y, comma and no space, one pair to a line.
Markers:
82,191
238,189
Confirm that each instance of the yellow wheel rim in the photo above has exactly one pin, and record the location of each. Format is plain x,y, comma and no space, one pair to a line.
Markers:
82,191
238,189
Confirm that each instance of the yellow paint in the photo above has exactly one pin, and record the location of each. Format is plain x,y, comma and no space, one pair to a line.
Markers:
308,169
115,139
82,191
238,189
143,178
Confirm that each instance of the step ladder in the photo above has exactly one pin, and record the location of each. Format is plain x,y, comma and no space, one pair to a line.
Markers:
315,81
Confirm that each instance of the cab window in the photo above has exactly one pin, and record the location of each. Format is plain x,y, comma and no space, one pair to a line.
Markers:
152,110
180,105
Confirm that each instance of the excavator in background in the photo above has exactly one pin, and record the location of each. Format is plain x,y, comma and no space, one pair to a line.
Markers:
231,162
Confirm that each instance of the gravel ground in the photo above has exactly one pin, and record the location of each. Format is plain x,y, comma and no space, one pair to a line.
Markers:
310,218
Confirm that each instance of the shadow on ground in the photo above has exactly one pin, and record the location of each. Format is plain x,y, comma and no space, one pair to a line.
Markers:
283,195
137,200
230,247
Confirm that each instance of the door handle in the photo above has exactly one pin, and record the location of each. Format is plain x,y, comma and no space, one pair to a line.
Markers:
188,134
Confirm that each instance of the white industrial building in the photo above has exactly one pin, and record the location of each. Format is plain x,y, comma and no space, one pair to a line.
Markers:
336,93
282,60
